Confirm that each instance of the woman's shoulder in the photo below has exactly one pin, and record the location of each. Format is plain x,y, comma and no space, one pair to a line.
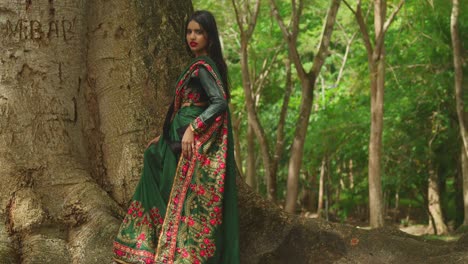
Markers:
204,62
203,68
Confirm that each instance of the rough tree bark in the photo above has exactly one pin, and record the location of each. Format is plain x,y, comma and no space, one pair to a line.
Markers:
78,84
65,66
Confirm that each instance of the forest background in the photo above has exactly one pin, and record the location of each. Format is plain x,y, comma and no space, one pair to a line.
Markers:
422,147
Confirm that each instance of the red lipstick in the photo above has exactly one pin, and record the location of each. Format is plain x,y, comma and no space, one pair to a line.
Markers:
193,44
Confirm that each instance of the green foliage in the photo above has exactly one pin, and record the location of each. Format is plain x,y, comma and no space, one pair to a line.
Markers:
420,123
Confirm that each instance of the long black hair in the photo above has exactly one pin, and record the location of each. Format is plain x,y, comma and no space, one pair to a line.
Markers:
207,22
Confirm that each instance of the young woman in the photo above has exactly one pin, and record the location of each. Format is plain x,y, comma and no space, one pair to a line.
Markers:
184,209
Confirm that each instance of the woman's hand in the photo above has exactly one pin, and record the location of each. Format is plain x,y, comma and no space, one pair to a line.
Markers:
188,144
154,140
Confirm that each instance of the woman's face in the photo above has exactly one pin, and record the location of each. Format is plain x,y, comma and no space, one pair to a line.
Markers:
197,38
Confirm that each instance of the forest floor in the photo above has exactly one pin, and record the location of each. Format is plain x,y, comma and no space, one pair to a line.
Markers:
426,232
416,229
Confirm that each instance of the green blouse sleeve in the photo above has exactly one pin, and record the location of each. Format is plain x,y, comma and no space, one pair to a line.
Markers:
218,103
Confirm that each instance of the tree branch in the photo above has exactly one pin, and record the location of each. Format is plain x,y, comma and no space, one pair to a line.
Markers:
239,22
259,82
345,57
290,40
381,36
296,16
392,16
253,19
279,19
349,7
319,59
364,31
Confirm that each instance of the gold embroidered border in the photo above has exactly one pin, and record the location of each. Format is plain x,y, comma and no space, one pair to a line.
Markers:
141,253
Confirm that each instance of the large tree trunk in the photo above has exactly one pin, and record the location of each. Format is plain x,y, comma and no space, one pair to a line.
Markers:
127,59
50,203
78,85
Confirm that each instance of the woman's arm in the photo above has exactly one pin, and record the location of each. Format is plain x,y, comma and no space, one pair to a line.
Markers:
218,103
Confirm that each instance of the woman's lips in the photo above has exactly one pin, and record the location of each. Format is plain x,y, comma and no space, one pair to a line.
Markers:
193,44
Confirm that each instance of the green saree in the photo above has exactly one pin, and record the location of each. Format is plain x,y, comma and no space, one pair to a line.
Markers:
185,210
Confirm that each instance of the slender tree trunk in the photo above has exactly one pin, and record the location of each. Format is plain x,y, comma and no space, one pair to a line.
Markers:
279,146
327,187
464,162
351,174
375,145
341,186
459,95
458,65
376,64
247,25
377,102
251,177
295,161
254,121
237,149
434,202
396,207
323,169
308,86
309,195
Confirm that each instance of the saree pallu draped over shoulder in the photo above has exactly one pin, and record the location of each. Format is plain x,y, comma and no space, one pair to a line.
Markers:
185,210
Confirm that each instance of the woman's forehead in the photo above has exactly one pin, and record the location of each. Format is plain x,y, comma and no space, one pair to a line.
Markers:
194,25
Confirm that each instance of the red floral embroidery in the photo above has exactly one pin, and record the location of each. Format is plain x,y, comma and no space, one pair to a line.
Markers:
202,214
